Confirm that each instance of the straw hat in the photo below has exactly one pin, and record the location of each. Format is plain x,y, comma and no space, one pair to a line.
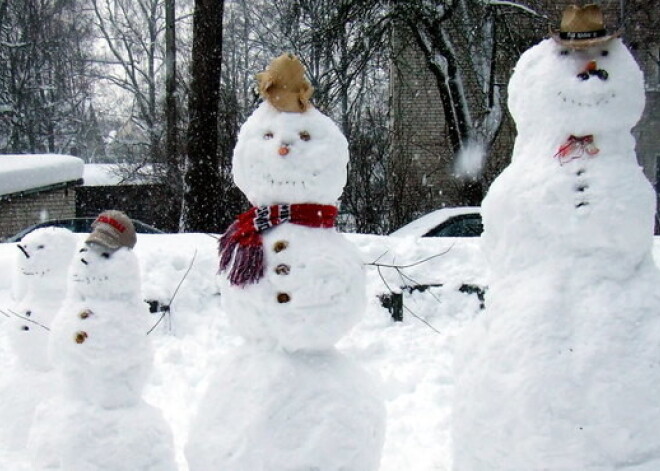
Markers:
284,85
113,229
583,27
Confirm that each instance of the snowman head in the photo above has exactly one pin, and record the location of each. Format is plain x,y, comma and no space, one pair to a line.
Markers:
44,255
101,273
287,151
580,91
283,157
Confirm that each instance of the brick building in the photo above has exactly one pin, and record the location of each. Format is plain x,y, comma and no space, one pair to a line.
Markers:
423,170
34,188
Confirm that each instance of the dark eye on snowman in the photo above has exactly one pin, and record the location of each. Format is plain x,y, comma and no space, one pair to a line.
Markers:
82,250
39,247
268,135
304,135
564,52
604,53
105,255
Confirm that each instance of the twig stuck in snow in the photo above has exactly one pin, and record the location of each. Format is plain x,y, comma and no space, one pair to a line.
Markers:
405,279
166,308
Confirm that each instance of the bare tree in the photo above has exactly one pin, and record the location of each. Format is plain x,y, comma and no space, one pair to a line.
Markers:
202,204
133,60
173,173
44,82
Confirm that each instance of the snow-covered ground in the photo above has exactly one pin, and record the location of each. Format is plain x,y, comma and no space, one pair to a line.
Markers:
413,358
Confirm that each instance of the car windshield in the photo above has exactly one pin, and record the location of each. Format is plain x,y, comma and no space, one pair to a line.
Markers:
469,225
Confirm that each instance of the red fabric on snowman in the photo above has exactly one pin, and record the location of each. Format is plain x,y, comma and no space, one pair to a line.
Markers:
242,242
575,147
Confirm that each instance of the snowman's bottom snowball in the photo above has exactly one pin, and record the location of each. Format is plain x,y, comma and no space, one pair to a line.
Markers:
561,379
77,436
275,411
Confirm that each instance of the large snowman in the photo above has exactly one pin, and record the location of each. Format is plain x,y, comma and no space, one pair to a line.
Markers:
41,264
287,400
97,419
563,370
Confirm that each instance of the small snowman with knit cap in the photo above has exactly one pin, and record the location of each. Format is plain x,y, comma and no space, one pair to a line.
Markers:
97,420
291,286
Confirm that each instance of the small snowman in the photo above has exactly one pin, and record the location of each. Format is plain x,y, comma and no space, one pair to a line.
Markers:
99,346
562,371
292,286
42,261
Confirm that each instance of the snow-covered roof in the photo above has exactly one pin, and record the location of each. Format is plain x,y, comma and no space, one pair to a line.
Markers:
32,171
116,174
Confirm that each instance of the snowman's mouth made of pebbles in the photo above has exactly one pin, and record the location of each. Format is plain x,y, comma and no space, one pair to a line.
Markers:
35,273
89,279
295,183
601,99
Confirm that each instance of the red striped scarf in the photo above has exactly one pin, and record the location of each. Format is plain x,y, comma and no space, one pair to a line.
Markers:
241,246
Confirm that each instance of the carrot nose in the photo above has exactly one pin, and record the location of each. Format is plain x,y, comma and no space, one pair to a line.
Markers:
591,66
283,150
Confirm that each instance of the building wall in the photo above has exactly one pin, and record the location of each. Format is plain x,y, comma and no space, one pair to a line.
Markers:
21,210
142,202
421,153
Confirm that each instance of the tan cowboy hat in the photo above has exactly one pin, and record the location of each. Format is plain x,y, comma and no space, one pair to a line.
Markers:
284,85
582,27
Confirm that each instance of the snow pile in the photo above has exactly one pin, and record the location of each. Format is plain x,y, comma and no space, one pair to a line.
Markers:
561,372
414,361
27,172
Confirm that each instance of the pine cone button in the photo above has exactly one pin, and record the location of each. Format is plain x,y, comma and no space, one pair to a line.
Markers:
283,298
283,269
84,314
80,336
280,245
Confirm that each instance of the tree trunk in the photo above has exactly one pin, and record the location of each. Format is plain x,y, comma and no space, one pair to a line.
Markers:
173,175
202,178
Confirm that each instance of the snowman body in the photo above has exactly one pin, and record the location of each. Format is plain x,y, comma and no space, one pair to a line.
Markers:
287,399
310,295
103,356
561,372
41,266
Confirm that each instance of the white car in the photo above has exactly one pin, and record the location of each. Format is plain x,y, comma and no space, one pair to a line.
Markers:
464,221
